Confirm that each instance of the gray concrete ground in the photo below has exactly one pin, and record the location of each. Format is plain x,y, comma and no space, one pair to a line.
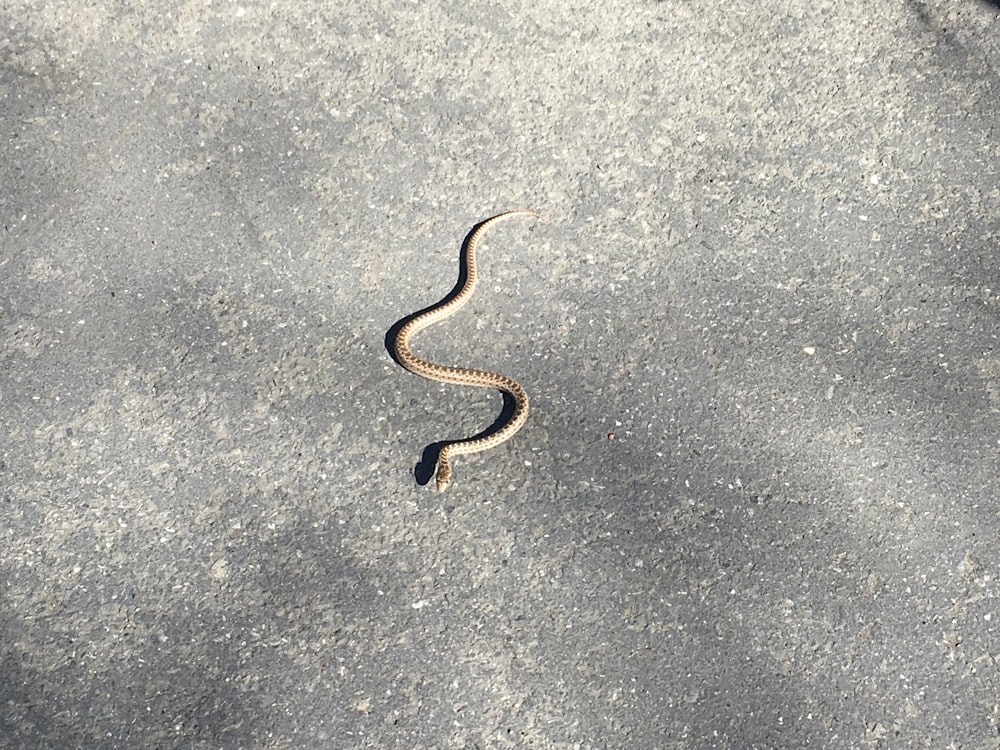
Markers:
769,272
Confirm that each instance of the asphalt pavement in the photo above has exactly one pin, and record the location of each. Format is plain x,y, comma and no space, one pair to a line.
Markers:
756,503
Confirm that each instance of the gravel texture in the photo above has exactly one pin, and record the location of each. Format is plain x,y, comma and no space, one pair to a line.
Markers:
757,503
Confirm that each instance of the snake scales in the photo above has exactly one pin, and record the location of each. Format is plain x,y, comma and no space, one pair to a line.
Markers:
463,375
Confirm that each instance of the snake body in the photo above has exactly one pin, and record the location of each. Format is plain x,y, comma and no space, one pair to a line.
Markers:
463,375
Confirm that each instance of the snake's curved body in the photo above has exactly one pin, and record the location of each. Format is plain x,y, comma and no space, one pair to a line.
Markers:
462,375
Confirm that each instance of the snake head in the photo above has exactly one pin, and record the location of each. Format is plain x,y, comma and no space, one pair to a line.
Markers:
443,474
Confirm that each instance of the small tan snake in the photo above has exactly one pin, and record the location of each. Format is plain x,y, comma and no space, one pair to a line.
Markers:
462,375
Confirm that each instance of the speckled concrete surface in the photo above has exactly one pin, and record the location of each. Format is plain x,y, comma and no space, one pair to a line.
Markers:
769,271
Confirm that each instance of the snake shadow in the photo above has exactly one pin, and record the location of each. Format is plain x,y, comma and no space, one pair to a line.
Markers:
423,471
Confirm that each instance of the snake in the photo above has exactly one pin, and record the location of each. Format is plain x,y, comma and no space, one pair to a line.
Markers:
464,375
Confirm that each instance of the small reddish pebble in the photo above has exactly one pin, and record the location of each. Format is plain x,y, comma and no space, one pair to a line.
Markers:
612,436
